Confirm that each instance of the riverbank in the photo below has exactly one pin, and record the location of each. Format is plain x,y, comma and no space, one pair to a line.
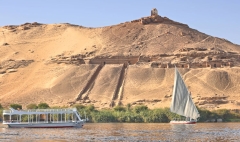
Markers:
139,114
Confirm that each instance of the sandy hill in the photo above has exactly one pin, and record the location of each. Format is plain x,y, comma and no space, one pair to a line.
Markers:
132,62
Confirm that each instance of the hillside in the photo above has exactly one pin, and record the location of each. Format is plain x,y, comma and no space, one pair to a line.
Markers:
132,62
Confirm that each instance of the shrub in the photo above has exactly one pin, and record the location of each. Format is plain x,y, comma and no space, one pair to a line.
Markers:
204,114
104,116
139,108
157,115
90,108
16,106
43,106
32,106
224,114
1,106
79,107
119,108
128,107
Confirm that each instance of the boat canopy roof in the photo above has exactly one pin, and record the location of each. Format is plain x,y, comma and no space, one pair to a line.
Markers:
39,111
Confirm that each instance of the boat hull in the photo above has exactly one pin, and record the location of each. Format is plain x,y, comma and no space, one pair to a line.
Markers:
182,122
45,125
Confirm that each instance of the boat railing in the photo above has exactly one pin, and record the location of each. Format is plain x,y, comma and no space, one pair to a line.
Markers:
11,121
179,119
18,121
49,110
6,111
183,119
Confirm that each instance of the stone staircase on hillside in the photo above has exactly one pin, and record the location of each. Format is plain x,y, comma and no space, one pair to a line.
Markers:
89,84
117,93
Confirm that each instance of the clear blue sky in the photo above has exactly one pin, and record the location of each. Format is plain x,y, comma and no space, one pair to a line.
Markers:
220,18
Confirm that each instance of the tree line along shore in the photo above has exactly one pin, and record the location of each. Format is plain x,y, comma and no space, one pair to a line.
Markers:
136,114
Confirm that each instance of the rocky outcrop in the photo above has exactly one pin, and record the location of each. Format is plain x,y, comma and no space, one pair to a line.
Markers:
74,59
212,100
155,18
184,58
4,44
9,66
25,26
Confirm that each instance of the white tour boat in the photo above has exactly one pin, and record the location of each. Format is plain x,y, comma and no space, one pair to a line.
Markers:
182,102
42,118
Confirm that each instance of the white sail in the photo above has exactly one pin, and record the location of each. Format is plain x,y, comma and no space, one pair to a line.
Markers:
182,103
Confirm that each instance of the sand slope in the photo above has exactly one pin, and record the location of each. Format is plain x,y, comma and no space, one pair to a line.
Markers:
27,74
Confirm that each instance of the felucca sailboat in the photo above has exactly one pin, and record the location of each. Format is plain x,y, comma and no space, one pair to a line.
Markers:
182,102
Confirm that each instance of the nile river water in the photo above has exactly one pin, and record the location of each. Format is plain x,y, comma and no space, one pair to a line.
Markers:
214,132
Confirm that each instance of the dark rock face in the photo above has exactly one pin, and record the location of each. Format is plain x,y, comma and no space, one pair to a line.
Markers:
4,44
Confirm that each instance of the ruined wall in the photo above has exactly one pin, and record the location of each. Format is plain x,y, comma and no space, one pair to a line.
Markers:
155,18
114,60
183,58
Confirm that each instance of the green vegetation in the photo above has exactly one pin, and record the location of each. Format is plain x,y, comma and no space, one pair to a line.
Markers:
43,106
32,106
138,113
141,113
1,112
224,114
16,106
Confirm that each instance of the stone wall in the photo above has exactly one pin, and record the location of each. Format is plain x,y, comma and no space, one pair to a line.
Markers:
157,61
213,64
114,60
184,58
212,100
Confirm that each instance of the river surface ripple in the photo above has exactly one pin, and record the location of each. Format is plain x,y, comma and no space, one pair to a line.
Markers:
214,132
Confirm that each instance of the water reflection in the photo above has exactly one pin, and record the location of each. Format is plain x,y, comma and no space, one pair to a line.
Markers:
128,132
182,127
